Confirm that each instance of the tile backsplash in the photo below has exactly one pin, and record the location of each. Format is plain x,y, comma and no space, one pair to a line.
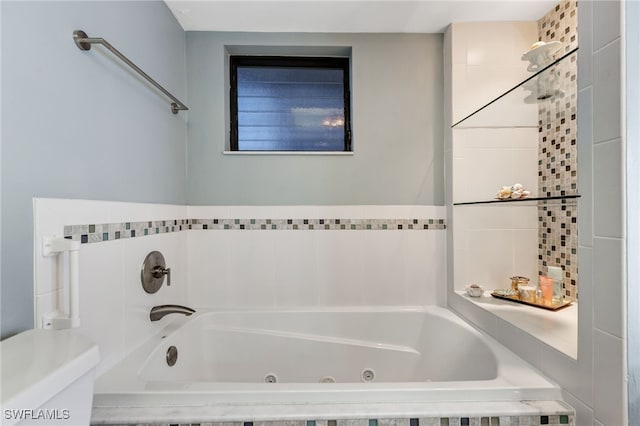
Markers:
557,151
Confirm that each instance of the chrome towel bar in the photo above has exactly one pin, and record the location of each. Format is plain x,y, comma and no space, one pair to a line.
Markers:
84,42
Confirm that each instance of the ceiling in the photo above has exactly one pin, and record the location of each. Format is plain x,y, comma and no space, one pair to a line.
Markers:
352,16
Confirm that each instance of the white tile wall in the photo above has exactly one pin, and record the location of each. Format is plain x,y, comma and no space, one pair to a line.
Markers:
487,159
527,347
494,243
608,189
50,216
585,162
208,269
340,266
609,259
236,269
484,72
425,266
136,302
384,281
585,57
252,268
114,310
609,389
316,268
296,278
606,23
607,96
102,300
584,413
608,285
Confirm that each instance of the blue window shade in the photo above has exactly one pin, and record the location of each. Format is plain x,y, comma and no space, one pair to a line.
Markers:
289,104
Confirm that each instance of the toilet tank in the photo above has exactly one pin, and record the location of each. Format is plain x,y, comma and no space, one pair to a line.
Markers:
47,378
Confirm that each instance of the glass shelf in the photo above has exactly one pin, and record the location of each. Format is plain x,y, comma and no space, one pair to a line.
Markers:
529,200
520,102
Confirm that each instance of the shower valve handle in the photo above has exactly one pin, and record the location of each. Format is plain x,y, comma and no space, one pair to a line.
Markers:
159,271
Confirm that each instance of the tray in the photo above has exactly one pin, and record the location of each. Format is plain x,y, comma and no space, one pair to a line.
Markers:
553,306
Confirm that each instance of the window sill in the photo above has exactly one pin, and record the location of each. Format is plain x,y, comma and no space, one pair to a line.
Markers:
330,153
558,329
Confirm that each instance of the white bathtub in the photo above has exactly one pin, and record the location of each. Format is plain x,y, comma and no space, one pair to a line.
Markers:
418,355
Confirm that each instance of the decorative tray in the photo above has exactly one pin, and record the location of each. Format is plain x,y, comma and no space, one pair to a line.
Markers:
507,295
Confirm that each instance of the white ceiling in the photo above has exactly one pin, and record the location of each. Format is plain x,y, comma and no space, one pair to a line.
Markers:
355,16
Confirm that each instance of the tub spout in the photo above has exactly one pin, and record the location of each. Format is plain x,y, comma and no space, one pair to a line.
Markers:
158,312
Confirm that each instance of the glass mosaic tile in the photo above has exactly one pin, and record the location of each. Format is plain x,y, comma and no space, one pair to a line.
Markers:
111,231
557,152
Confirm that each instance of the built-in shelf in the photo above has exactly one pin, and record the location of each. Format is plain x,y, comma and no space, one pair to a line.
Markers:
544,200
486,134
558,329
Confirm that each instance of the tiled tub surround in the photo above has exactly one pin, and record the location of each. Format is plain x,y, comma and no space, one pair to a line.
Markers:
289,268
335,269
423,359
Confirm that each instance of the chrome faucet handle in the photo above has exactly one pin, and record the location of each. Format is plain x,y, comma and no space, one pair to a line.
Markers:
159,272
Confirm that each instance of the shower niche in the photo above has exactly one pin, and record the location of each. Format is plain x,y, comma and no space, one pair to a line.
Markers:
514,188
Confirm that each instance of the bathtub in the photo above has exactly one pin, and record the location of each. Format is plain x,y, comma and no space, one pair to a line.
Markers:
320,357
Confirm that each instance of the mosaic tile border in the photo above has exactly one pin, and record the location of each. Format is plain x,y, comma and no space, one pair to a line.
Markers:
535,420
319,224
95,233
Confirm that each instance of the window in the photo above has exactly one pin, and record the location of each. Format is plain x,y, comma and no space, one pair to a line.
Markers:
289,104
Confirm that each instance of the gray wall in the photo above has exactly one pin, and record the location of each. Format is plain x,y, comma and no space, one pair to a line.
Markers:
79,124
397,127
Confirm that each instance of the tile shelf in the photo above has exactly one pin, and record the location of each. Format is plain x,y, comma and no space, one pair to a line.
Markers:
558,329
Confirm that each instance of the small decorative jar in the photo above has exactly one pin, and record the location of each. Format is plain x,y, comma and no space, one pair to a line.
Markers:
517,281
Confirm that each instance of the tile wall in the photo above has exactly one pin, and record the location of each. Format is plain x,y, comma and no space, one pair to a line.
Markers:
601,139
594,383
558,151
114,309
495,148
235,257
350,259
481,74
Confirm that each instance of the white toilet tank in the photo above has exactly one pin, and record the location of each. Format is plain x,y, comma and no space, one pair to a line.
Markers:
47,378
